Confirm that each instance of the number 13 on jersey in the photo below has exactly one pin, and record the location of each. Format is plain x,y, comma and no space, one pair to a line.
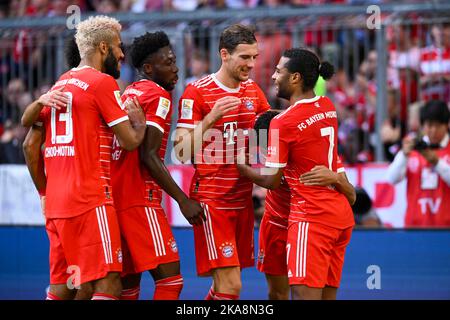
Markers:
65,117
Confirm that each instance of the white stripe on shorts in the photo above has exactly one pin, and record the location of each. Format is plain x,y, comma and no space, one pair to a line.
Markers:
103,234
207,228
302,241
153,233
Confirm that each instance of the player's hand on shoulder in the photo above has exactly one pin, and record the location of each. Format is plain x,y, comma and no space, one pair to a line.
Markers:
56,99
192,211
319,176
223,106
135,112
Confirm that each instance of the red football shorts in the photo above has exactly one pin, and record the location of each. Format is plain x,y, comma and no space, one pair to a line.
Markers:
272,247
85,247
316,254
147,239
225,239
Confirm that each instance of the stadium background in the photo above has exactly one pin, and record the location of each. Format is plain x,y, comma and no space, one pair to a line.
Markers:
376,90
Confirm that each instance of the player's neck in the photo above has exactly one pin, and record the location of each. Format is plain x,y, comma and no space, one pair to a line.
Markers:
91,63
226,80
297,96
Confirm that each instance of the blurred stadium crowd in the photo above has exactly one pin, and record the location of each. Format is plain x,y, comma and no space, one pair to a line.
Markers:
417,62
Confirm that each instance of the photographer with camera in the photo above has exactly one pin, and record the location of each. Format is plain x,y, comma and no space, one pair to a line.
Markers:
425,162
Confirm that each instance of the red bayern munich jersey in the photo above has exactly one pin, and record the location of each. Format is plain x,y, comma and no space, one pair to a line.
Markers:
434,60
128,172
278,201
216,177
307,137
78,143
428,202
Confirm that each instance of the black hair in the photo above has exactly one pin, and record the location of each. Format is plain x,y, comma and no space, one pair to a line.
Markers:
363,202
436,111
308,65
235,35
146,45
263,123
71,53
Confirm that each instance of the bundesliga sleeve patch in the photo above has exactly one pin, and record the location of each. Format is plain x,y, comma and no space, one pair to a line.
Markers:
118,99
163,107
187,107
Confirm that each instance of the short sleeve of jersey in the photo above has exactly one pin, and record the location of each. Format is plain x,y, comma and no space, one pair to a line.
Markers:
278,146
43,115
157,109
190,108
263,104
109,102
339,166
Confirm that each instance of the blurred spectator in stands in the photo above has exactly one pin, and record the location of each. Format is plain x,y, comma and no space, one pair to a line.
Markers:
392,129
38,8
363,210
186,5
17,8
272,41
425,162
435,65
107,6
17,98
198,66
404,58
59,8
145,5
11,143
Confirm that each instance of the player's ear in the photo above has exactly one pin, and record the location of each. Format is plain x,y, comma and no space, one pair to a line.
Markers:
147,68
224,53
103,46
296,77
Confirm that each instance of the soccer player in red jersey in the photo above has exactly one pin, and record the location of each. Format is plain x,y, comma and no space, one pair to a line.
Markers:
80,218
302,143
215,114
274,224
147,240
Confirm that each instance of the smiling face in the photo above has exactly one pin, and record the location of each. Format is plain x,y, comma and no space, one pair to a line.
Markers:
241,61
163,69
282,79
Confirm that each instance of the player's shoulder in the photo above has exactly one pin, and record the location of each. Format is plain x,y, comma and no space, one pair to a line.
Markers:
150,89
201,84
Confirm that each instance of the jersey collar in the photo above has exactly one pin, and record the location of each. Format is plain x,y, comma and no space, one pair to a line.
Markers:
81,68
307,100
224,87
